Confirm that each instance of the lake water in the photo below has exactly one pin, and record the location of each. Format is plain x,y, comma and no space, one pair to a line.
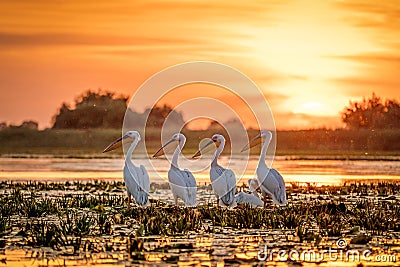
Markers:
224,246
319,172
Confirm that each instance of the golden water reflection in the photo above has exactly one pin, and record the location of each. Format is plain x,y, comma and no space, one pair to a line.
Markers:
238,249
322,172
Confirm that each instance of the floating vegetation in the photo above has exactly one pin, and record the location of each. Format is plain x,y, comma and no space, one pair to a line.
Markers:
74,218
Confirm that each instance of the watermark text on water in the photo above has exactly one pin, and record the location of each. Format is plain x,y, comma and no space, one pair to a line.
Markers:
328,254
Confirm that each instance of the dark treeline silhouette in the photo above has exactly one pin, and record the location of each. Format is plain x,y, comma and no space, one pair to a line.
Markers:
28,124
371,125
158,114
372,113
92,110
104,109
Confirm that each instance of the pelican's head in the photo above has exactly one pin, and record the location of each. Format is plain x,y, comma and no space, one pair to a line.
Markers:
216,139
128,137
263,136
253,184
178,137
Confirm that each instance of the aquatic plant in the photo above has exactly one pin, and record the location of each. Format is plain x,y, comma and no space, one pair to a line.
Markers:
67,216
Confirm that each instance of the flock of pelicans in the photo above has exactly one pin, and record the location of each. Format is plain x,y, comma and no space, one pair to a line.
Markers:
223,181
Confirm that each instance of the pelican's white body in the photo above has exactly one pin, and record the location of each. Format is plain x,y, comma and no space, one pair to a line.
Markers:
136,179
223,181
137,183
252,199
270,181
182,182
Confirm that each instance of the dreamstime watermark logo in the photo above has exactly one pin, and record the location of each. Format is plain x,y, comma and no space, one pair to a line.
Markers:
331,253
180,79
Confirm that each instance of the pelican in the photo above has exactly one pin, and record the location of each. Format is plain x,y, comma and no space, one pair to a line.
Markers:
136,179
223,181
252,199
182,182
270,181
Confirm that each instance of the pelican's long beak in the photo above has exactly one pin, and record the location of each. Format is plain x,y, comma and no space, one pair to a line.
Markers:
198,153
116,144
161,151
253,142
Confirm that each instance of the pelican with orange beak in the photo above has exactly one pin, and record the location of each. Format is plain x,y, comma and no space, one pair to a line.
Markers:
136,179
223,181
182,182
270,181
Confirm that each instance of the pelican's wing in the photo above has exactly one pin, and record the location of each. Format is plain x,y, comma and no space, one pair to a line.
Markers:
145,181
130,179
134,182
271,182
252,200
191,187
281,193
223,182
183,185
231,182
176,183
278,177
175,177
190,180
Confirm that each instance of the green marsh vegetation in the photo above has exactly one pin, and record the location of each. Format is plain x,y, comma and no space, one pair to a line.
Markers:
81,217
89,218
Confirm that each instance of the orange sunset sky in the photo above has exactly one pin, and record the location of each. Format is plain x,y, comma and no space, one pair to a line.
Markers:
309,57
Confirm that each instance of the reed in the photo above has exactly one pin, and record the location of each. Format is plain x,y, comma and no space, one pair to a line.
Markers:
71,219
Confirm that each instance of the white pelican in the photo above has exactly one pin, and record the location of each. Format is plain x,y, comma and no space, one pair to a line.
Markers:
223,181
269,180
252,199
136,179
182,182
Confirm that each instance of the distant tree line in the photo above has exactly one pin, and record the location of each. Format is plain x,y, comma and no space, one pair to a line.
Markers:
104,109
372,113
28,124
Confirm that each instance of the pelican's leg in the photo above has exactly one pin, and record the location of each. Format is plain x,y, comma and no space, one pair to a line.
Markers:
176,201
265,201
217,200
129,201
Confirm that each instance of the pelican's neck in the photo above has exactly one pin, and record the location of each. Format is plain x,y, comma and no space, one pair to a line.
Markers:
261,161
131,148
253,189
178,150
214,162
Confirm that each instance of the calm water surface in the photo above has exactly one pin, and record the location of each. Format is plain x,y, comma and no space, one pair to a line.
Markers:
301,170
225,246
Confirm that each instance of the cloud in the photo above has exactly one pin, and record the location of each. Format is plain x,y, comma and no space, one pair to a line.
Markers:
372,58
371,14
55,39
379,73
